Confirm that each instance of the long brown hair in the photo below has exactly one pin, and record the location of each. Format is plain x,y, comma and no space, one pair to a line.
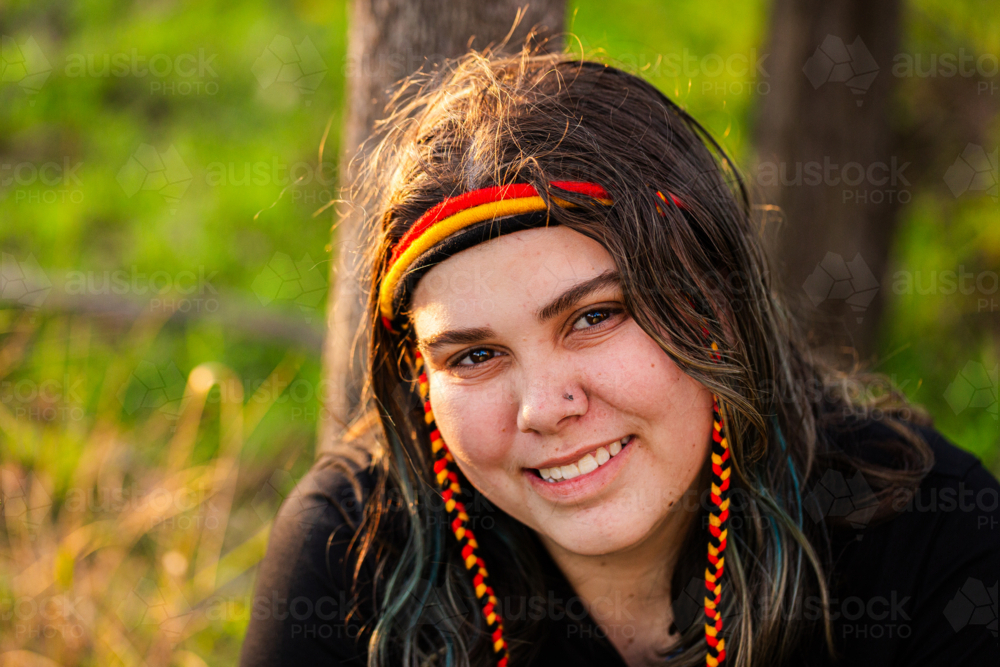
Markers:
485,120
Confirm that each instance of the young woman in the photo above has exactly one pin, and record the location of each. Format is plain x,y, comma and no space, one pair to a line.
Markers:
593,433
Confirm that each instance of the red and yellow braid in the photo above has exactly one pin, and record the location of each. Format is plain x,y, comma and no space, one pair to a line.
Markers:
448,481
718,520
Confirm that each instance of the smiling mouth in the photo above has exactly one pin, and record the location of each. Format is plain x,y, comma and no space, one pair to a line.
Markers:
586,464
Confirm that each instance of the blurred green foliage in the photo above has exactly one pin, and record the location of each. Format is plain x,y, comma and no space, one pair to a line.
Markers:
186,221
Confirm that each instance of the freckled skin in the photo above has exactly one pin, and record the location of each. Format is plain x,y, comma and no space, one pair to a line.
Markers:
509,413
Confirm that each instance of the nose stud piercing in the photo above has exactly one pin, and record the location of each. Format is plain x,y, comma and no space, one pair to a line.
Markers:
568,396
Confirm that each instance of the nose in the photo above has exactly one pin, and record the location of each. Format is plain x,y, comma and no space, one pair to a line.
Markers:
544,407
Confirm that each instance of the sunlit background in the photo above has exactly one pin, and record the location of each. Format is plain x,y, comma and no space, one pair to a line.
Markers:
166,246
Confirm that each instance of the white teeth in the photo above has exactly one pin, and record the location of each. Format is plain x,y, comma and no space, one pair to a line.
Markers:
588,463
570,471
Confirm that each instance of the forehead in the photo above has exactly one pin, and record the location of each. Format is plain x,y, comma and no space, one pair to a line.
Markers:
524,269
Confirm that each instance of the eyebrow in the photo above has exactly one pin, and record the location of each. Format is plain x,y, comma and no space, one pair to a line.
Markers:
560,304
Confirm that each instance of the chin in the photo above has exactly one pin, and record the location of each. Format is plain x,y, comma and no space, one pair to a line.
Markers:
611,532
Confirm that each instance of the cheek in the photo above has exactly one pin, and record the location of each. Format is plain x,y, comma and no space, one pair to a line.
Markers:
473,422
638,377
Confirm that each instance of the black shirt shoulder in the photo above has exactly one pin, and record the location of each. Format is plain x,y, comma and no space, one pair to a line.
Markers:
918,589
304,611
921,587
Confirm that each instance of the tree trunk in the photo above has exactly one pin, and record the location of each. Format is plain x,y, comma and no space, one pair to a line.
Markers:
822,137
388,40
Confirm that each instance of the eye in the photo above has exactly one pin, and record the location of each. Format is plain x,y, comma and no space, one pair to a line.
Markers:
477,356
593,318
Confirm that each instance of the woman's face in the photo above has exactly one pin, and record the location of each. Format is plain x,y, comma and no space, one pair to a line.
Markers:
512,327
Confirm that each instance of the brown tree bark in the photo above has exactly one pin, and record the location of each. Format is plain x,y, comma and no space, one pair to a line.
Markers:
388,40
839,97
829,106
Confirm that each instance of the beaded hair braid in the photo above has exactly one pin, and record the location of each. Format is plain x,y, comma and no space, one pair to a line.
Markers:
461,222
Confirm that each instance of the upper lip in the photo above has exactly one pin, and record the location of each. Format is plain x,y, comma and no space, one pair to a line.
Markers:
573,458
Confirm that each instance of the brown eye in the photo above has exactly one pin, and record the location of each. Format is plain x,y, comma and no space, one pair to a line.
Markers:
477,356
594,317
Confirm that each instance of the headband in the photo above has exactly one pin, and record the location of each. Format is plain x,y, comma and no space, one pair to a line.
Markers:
464,221
459,223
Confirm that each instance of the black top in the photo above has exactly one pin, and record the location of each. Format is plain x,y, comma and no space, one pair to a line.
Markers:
919,589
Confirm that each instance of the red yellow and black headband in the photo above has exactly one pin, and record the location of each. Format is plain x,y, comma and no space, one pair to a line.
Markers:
458,223
463,221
